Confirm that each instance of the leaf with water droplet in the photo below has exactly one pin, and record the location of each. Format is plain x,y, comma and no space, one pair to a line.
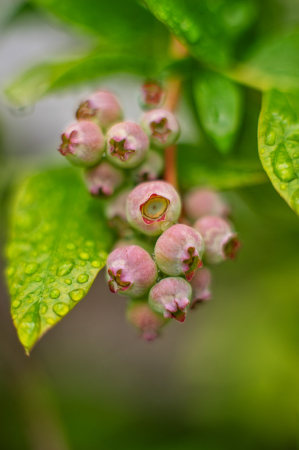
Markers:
209,31
279,155
219,105
67,214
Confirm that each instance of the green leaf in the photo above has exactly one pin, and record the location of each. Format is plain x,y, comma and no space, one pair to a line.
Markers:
114,20
272,64
278,140
208,28
193,170
58,244
219,106
46,78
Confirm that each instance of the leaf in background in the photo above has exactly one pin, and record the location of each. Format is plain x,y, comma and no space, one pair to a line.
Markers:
194,171
272,64
219,106
115,21
46,78
58,244
208,28
278,140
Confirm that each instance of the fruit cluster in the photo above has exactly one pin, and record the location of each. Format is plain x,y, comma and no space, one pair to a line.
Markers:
158,260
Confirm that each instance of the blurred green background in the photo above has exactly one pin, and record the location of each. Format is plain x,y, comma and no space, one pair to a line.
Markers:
226,379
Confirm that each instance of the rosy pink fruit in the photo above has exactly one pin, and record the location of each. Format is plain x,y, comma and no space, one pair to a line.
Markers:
161,127
147,321
102,108
204,202
103,179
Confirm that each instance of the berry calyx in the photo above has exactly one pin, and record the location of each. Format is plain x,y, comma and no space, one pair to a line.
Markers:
127,145
179,250
151,95
161,126
170,297
153,207
147,321
131,271
201,287
103,179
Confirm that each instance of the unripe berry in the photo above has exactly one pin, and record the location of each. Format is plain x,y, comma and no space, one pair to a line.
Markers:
83,144
178,251
147,321
161,126
153,207
131,271
102,108
151,168
170,297
151,95
200,284
103,179
115,211
201,202
127,145
220,241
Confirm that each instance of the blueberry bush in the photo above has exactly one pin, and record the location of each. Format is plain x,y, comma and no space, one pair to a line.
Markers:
136,197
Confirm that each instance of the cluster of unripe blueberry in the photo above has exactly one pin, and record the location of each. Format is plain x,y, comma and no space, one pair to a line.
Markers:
158,260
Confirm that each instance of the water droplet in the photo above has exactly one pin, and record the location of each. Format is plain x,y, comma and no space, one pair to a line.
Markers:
84,255
14,316
65,268
295,155
52,280
70,246
16,304
31,268
262,150
43,308
90,243
283,187
282,165
77,294
68,281
50,321
10,271
295,201
102,255
165,225
38,278
82,263
61,309
31,300
270,137
55,293
96,263
29,327
83,278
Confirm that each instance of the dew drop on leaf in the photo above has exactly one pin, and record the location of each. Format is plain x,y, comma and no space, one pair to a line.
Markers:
55,293
16,304
77,294
270,138
70,246
84,255
43,309
96,264
38,278
31,268
295,201
61,309
282,165
83,278
50,321
65,268
68,281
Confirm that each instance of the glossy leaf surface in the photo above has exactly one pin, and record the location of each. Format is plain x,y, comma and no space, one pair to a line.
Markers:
193,170
219,106
278,140
208,28
58,244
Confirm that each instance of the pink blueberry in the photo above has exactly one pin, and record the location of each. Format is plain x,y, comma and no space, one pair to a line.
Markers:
130,271
102,108
83,144
151,95
147,321
179,250
153,207
204,202
200,284
127,145
161,126
170,297
220,241
151,168
103,179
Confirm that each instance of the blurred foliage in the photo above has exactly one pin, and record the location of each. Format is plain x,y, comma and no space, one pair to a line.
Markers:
57,246
220,108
